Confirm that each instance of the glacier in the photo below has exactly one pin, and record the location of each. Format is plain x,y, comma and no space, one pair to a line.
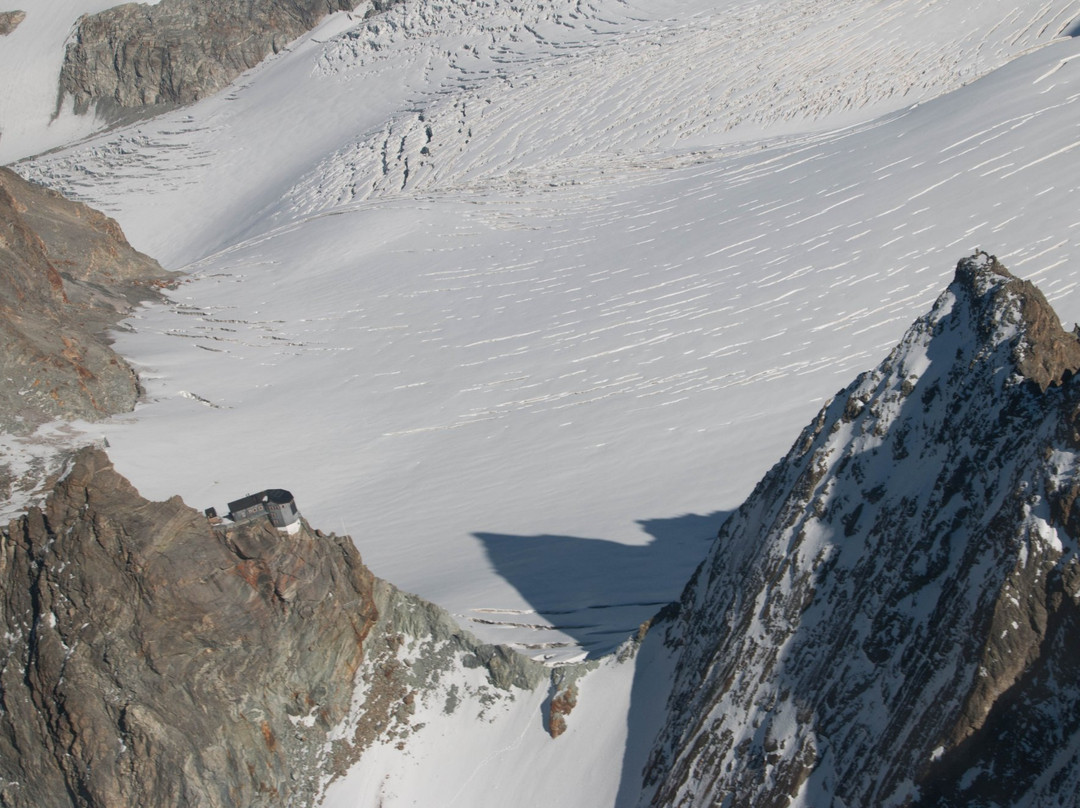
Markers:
473,280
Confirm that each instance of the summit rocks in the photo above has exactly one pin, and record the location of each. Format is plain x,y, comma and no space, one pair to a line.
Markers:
1045,353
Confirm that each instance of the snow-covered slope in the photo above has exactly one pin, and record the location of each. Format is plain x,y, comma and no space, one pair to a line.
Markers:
568,340
890,618
526,295
431,96
895,607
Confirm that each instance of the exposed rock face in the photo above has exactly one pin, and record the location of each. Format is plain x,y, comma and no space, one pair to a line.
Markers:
146,659
135,56
891,618
66,274
9,21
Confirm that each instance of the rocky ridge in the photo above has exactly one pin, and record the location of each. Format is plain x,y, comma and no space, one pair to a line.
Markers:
147,58
889,619
149,659
67,274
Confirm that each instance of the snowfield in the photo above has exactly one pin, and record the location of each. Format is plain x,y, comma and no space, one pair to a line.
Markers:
516,295
526,296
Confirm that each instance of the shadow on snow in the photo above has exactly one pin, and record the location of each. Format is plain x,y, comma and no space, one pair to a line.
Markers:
599,591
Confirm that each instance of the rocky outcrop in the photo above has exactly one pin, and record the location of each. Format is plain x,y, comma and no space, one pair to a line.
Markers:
147,658
417,662
1043,353
137,56
9,21
66,275
562,704
891,618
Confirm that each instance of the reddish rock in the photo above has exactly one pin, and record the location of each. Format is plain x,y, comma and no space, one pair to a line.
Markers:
66,275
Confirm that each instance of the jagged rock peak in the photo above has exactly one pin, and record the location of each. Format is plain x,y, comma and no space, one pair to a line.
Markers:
894,610
136,56
1045,353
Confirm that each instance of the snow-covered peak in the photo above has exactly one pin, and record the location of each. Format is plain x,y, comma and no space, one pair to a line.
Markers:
860,617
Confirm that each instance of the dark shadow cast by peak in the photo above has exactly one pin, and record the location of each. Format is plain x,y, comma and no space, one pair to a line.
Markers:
599,591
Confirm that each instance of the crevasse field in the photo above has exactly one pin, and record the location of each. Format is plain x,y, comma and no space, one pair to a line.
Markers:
526,296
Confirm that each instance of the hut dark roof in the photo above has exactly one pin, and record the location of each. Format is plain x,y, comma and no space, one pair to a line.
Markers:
278,496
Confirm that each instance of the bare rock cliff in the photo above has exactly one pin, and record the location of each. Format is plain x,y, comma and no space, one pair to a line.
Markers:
66,275
137,56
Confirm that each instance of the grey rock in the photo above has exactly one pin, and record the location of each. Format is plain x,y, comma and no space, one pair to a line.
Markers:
149,659
141,57
9,21
413,656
